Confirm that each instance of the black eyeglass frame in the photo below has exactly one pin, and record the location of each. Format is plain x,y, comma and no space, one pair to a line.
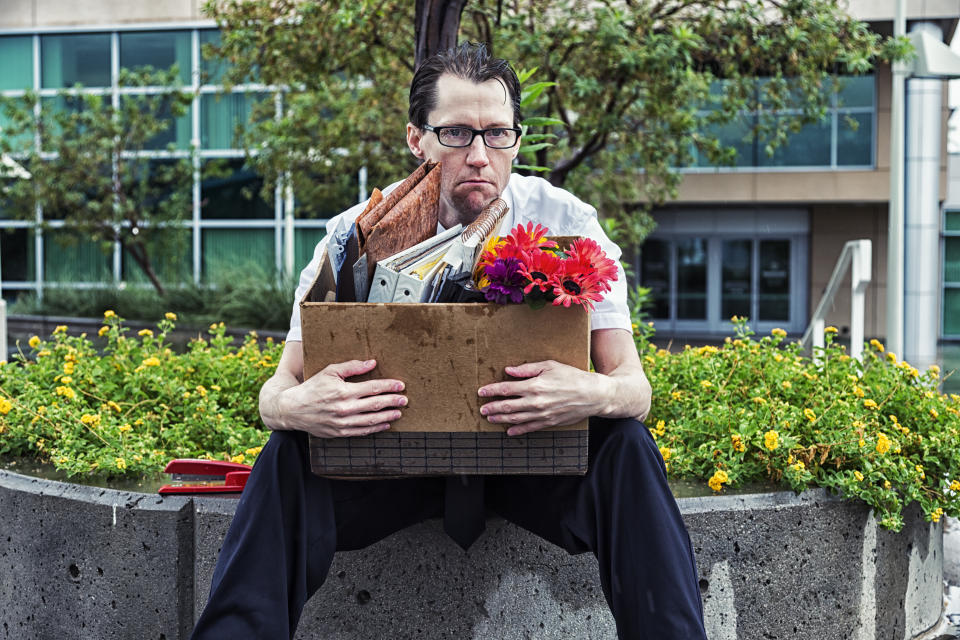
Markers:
473,134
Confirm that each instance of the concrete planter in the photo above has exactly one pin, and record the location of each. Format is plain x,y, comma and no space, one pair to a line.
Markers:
96,563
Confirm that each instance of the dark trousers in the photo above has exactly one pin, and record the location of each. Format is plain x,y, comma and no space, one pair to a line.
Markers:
289,523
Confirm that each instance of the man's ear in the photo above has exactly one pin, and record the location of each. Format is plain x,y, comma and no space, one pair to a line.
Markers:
414,138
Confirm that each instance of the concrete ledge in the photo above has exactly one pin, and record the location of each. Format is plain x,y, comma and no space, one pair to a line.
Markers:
119,565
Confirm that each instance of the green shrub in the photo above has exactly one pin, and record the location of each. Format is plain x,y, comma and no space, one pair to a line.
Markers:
757,410
132,407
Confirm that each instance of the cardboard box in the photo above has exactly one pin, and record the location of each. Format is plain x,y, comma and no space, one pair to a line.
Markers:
444,353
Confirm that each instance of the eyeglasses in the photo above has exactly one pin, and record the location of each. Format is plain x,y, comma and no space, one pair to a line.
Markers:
496,138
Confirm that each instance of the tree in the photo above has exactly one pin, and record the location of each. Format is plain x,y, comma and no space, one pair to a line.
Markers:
637,85
90,172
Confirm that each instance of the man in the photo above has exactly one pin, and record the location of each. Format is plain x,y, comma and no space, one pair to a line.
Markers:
464,112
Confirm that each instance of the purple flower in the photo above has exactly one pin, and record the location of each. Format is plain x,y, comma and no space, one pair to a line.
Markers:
506,281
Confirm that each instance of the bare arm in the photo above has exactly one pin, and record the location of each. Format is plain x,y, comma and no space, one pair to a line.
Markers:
551,394
328,405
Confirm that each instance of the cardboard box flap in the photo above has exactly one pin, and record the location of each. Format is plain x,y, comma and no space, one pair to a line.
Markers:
443,352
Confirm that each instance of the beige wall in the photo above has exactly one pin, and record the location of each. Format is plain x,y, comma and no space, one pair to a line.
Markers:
25,14
832,225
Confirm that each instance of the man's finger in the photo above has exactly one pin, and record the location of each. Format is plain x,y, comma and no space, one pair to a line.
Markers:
504,389
349,368
374,387
379,402
527,427
528,370
355,420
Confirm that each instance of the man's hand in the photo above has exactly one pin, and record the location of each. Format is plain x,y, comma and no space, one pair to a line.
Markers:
550,394
328,405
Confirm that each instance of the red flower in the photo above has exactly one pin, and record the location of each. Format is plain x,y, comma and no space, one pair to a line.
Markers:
539,269
530,238
592,261
572,286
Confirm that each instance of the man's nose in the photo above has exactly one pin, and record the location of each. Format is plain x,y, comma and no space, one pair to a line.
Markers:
477,153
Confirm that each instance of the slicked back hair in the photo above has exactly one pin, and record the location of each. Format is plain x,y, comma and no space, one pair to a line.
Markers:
469,61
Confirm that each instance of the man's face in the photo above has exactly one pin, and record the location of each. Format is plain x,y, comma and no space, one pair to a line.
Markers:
471,176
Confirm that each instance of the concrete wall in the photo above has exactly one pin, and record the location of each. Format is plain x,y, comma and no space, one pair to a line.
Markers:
25,14
89,562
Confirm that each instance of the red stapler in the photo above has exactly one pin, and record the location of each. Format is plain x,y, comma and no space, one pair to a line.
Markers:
205,476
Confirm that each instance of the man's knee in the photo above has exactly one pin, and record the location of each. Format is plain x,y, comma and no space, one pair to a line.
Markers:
623,441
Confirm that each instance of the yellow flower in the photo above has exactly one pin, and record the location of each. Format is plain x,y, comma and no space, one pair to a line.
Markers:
89,419
876,344
830,329
186,394
676,395
934,370
799,466
253,451
67,392
215,387
34,342
661,427
891,356
665,452
706,384
759,400
170,315
138,422
886,484
869,404
936,515
152,361
238,458
786,384
858,391
734,319
934,414
113,405
778,357
125,428
42,410
61,328
737,441
103,330
145,332
68,368
213,327
109,314
810,415
779,333
771,440
861,442
43,353
883,443
717,479
5,406
66,379
121,463
201,390
858,476
954,486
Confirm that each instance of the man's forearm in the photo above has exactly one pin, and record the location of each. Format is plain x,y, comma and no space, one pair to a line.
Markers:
270,399
628,394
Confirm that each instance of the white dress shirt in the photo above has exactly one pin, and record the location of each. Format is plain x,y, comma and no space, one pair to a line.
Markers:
531,199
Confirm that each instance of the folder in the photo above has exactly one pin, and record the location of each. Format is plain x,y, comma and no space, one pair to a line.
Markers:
385,275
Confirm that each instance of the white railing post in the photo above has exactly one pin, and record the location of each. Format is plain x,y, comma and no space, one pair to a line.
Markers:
857,255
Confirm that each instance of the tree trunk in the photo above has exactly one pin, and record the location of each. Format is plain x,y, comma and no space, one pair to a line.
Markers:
139,255
437,26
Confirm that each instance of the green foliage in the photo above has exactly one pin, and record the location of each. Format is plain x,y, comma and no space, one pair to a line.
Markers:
246,298
634,85
130,408
757,410
90,174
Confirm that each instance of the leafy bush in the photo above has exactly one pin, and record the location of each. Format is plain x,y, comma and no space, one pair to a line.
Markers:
134,406
754,410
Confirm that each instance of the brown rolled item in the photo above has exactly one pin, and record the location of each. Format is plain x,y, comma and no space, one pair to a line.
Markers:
369,219
411,221
375,198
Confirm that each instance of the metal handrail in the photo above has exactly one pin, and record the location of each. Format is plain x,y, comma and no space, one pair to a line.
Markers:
856,254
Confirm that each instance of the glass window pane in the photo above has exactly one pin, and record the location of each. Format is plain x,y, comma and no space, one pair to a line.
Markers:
68,257
655,275
23,141
736,288
304,242
855,146
774,280
157,49
951,312
221,114
17,255
856,91
66,60
231,190
952,221
733,134
178,131
213,68
16,62
951,259
227,251
692,279
171,258
809,147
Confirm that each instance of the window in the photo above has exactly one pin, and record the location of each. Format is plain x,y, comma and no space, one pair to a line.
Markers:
221,115
17,254
157,49
68,257
844,138
228,252
704,267
16,72
232,192
951,275
72,59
